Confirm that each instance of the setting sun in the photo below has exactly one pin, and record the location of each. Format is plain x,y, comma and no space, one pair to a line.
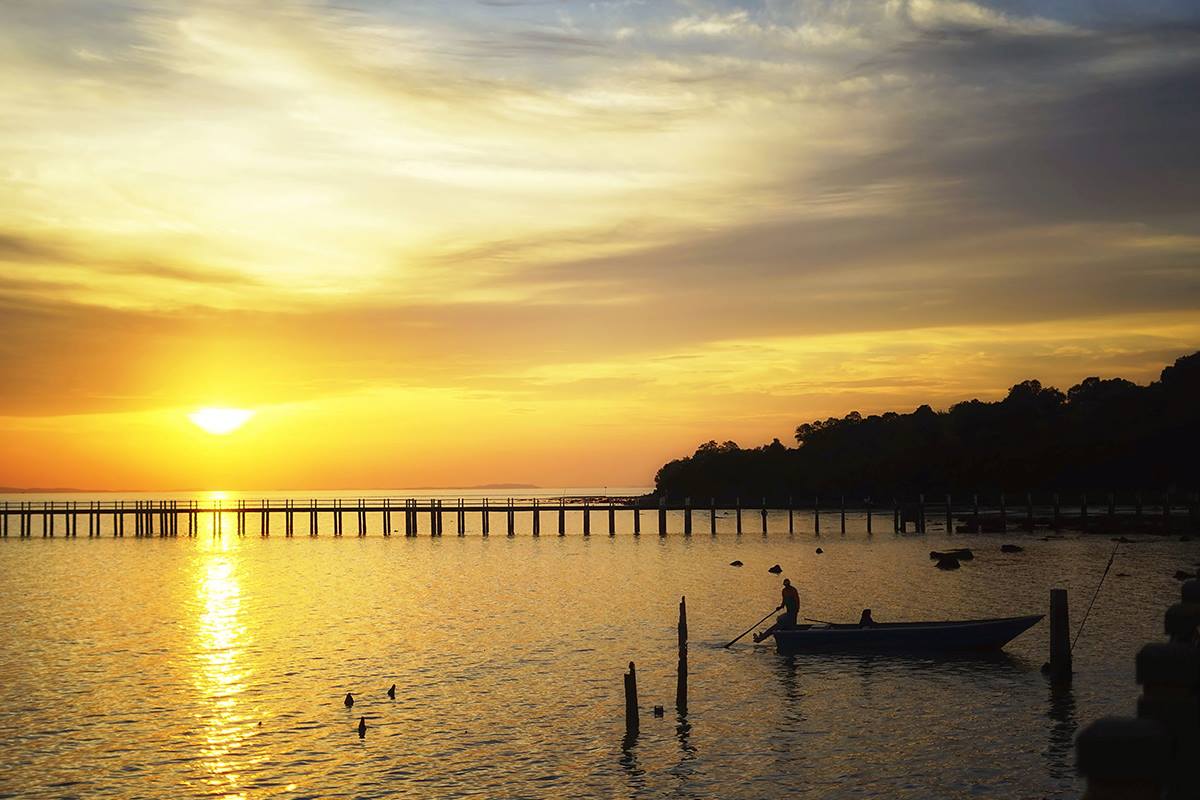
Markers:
220,421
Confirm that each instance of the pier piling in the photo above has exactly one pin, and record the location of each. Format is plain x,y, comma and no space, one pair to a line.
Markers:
681,676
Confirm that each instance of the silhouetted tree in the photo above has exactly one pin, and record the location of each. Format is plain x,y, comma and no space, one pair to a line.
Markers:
1099,434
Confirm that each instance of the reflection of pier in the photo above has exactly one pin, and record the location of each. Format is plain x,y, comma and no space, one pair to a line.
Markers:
168,518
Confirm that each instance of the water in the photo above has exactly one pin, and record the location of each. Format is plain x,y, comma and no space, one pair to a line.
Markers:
216,667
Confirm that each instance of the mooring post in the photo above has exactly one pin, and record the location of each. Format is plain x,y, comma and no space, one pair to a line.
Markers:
512,518
612,518
764,516
712,516
486,520
817,515
870,508
631,702
738,514
462,517
949,516
843,509
687,516
441,518
537,519
662,516
791,515
637,517
1060,638
895,514
562,516
681,677
587,519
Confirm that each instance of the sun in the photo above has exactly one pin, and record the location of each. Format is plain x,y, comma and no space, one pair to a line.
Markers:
220,421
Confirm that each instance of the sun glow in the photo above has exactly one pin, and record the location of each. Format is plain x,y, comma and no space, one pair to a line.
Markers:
220,421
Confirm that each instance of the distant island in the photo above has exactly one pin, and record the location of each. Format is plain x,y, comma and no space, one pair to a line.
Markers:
1109,434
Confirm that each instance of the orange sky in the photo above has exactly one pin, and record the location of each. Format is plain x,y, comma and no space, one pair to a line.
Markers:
456,243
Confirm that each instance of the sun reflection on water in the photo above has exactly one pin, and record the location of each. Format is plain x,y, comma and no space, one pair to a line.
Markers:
220,672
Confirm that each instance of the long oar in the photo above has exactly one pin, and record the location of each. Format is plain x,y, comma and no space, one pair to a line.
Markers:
752,627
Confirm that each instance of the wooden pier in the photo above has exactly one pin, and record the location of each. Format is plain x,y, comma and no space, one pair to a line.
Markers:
428,516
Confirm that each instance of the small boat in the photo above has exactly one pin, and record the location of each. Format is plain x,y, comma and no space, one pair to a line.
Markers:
888,637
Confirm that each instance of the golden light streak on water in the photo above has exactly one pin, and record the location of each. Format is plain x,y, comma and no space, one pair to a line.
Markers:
221,671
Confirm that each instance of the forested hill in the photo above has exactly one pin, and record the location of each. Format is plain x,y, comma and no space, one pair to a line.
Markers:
1099,434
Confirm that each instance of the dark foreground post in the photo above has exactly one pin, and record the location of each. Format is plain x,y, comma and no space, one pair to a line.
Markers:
681,673
1123,759
631,702
1060,638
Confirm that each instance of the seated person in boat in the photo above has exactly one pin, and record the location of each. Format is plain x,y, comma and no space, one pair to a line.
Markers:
790,607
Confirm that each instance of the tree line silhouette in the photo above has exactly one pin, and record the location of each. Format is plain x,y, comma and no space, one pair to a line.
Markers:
1101,434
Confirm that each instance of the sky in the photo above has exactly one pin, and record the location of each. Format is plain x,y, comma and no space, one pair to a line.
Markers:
446,243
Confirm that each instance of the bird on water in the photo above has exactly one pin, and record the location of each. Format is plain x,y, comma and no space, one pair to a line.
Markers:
349,700
392,692
362,727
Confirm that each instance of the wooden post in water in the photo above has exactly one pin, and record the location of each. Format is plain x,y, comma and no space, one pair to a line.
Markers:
843,509
512,521
712,516
461,521
681,676
895,515
537,519
637,517
486,519
870,508
687,516
1060,638
949,515
612,519
738,512
662,516
562,516
764,516
631,702
817,516
587,519
791,515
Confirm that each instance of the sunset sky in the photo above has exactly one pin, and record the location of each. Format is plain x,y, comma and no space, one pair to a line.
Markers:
448,242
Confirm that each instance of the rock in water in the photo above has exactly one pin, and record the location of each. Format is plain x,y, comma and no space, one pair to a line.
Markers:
948,562
735,563
775,570
1011,548
819,551
349,701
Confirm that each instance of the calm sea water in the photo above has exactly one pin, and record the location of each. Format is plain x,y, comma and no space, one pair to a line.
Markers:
216,667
